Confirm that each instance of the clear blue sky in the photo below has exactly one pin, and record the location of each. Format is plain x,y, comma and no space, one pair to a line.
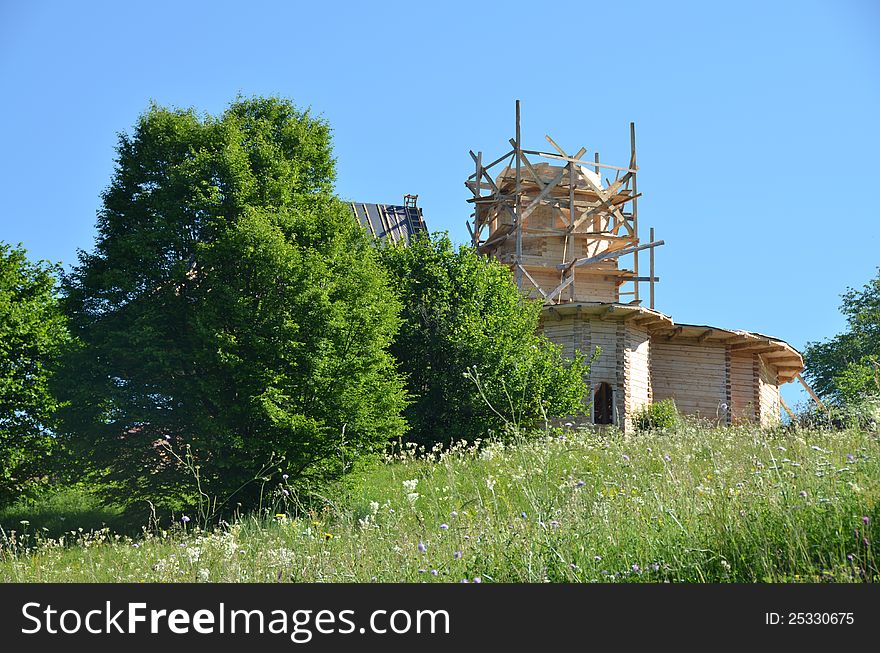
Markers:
757,121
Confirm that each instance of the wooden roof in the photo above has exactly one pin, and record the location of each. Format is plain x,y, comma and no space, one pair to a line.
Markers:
778,353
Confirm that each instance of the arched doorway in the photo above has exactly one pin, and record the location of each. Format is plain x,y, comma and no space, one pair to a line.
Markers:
603,405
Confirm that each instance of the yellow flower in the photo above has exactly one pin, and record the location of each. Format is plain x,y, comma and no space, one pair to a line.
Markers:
328,536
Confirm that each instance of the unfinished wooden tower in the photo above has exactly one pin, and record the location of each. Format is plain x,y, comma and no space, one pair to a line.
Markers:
572,241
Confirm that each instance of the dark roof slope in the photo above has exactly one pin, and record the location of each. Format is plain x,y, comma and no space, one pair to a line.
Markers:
389,222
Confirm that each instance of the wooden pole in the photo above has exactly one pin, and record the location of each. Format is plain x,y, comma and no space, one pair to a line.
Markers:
569,238
635,208
478,176
651,265
518,203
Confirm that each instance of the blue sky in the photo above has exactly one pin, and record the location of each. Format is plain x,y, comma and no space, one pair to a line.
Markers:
756,122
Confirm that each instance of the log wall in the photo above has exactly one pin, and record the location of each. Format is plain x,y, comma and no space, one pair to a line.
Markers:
693,375
742,384
703,378
768,393
637,371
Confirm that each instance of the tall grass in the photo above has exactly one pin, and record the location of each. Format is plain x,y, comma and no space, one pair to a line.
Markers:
694,504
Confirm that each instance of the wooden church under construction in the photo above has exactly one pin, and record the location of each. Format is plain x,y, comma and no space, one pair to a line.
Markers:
572,240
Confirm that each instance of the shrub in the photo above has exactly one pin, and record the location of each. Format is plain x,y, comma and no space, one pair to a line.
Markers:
657,416
859,413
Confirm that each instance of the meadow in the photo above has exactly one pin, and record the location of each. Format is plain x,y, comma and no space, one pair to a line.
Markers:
691,504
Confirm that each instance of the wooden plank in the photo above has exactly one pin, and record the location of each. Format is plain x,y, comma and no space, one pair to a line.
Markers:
536,202
534,283
752,344
490,165
609,255
575,160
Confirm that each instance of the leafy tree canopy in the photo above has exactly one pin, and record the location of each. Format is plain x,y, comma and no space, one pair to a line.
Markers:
234,320
469,347
847,366
33,333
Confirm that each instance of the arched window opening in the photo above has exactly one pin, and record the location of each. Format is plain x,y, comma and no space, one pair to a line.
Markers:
603,405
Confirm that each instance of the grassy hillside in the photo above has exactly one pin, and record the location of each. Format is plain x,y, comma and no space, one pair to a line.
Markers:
694,505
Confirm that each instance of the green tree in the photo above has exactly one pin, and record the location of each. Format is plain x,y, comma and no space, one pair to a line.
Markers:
469,346
844,367
234,320
33,333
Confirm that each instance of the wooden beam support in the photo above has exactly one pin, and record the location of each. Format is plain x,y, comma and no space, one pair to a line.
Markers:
608,255
706,334
675,332
810,392
733,340
787,409
577,161
494,163
558,289
649,320
533,282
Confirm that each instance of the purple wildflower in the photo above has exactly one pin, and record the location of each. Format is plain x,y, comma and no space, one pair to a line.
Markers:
597,558
421,571
580,484
803,494
478,580
443,527
866,520
523,515
184,519
456,555
422,547
625,458
434,572
635,569
454,513
554,523
850,557
850,457
285,476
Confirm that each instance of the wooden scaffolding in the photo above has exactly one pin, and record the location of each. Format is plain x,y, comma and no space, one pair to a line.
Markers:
563,232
